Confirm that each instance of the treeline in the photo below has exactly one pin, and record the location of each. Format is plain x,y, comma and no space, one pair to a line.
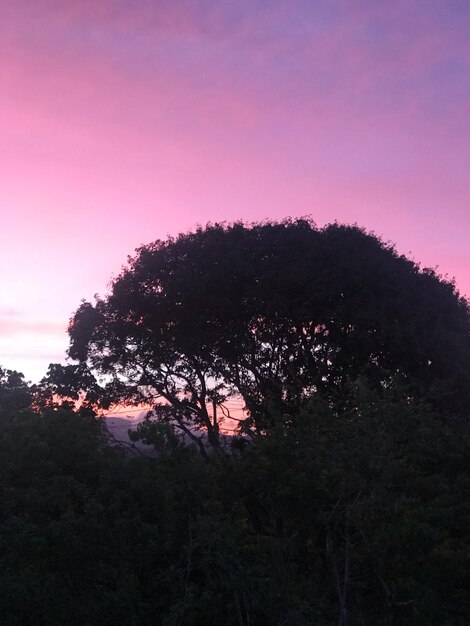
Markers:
344,497
361,520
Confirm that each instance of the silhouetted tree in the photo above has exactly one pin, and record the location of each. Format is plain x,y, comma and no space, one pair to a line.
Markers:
15,393
274,313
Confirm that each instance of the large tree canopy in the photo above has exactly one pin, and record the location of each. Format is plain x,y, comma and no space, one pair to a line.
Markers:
274,313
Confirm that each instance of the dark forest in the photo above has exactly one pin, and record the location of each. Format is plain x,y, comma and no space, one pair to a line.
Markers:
341,497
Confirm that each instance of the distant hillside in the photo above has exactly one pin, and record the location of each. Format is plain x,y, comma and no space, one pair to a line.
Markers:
119,427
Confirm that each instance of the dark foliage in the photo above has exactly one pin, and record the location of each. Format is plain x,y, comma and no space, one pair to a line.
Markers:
358,520
274,313
15,393
349,503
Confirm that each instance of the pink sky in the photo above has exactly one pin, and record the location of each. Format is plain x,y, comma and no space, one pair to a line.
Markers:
123,122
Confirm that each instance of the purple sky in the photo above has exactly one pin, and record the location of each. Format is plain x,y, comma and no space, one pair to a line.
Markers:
122,122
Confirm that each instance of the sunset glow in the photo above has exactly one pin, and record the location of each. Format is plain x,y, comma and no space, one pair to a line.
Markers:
124,122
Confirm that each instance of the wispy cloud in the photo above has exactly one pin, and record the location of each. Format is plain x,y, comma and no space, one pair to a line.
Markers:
14,325
30,345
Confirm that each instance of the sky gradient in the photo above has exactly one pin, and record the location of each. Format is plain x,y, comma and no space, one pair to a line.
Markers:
122,122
